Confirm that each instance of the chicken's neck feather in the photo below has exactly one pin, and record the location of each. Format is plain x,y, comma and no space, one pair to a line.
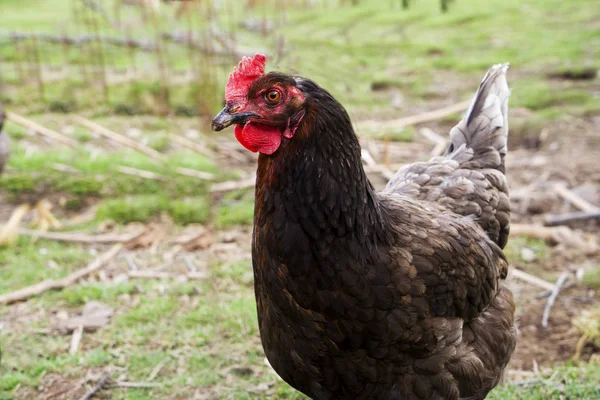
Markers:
313,193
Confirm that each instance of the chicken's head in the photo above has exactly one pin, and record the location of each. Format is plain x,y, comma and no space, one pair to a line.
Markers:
265,108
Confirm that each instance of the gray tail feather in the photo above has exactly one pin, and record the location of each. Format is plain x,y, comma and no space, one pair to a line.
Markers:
484,128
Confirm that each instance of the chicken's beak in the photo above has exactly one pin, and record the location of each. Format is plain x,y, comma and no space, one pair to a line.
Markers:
226,118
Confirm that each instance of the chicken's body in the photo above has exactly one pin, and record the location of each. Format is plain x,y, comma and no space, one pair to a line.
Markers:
391,295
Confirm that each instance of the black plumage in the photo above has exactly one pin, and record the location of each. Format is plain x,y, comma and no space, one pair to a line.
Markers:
390,295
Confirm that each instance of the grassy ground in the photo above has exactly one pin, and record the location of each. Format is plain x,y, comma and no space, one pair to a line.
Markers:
203,334
419,52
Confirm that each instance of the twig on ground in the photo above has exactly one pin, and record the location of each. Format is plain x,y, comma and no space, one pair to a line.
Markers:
65,168
98,387
87,216
574,199
561,219
136,384
24,122
416,119
370,161
555,235
44,286
76,339
441,143
79,237
130,261
545,294
206,176
157,369
119,138
552,298
166,275
233,185
531,279
141,173
191,145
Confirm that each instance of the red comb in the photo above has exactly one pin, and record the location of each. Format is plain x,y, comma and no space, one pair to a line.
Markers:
242,77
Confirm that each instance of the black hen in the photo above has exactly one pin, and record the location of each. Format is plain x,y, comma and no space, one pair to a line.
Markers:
365,295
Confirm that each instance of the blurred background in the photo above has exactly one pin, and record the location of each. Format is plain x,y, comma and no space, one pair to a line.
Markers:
125,269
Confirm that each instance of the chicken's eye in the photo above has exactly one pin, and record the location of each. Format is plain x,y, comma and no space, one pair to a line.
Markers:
272,97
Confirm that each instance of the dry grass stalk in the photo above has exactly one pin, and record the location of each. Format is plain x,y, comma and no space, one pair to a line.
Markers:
79,237
233,185
531,279
206,176
553,296
415,119
561,219
140,173
34,126
166,275
370,161
42,287
441,143
117,137
191,145
574,199
76,340
98,387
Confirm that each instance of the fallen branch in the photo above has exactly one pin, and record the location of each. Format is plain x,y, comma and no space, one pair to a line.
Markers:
533,231
78,237
191,145
370,161
65,168
117,137
552,298
416,119
166,275
206,176
531,279
562,219
136,384
574,199
76,340
233,185
441,143
98,387
26,123
140,173
39,288
157,369
554,235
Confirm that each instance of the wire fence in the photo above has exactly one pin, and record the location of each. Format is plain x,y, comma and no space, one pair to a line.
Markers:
130,54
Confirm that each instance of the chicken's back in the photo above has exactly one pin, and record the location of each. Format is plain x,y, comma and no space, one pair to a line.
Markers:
469,179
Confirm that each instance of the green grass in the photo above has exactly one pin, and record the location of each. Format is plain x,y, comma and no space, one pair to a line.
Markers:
591,277
206,330
415,51
188,326
568,382
235,213
143,208
35,261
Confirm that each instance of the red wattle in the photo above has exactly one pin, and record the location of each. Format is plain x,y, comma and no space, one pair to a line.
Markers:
255,137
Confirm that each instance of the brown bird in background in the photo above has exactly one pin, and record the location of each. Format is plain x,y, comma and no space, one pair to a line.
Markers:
43,217
366,295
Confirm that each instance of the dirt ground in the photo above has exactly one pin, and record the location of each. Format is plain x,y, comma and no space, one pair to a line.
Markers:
562,153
